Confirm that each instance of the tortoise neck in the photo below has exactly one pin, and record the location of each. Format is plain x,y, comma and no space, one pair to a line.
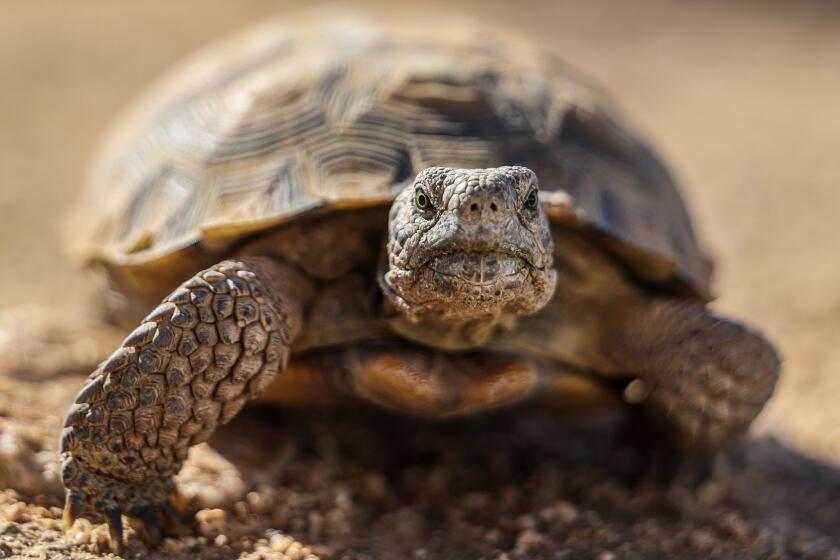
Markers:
450,335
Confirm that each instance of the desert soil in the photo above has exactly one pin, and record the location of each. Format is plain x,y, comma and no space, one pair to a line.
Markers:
740,98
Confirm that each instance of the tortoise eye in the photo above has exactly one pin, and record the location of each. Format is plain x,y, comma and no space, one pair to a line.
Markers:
421,199
533,200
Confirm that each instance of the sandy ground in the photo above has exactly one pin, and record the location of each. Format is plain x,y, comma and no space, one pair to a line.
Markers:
740,97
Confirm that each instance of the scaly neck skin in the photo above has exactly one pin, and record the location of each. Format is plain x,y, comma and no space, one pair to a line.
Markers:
451,334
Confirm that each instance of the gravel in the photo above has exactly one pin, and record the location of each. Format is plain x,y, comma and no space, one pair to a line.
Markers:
520,484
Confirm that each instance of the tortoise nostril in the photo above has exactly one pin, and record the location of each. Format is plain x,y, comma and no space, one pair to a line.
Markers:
473,207
493,206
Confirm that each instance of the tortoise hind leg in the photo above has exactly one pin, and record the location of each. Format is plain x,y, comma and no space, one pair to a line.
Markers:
215,342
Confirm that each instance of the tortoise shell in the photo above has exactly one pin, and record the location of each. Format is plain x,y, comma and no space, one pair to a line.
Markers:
285,120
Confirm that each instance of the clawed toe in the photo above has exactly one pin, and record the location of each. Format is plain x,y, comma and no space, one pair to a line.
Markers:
172,517
149,526
152,523
72,510
667,470
113,516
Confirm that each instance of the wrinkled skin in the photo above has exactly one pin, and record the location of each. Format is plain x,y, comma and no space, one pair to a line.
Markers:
469,247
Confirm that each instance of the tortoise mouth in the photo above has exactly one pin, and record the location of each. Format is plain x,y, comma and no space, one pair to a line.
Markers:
463,285
479,269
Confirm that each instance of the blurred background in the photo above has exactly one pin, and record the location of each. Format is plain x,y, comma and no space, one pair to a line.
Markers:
739,97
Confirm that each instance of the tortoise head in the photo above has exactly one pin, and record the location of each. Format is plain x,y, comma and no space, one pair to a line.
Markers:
468,244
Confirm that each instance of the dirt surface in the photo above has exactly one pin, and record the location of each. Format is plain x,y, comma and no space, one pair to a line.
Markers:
740,97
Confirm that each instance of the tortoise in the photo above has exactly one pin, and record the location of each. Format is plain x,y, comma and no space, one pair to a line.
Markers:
438,220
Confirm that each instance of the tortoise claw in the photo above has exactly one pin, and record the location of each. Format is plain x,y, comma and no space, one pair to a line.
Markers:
72,508
172,523
179,503
667,470
113,516
149,527
153,523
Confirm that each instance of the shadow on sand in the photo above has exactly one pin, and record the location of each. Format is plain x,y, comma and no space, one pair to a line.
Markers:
526,482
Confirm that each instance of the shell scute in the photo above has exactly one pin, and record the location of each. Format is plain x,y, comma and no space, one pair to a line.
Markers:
282,120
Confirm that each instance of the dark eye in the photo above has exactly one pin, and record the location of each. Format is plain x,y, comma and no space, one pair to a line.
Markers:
421,199
533,200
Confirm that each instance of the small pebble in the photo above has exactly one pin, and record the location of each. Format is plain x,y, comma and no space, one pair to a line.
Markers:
39,511
280,542
240,509
494,536
735,526
209,496
376,486
174,545
256,502
560,511
211,522
526,540
476,501
701,539
526,521
101,541
711,493
295,551
15,512
10,529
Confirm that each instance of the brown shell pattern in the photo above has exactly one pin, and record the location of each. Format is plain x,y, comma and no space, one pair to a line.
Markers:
284,119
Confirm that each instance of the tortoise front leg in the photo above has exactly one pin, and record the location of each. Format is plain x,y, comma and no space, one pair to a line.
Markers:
215,342
699,380
694,380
